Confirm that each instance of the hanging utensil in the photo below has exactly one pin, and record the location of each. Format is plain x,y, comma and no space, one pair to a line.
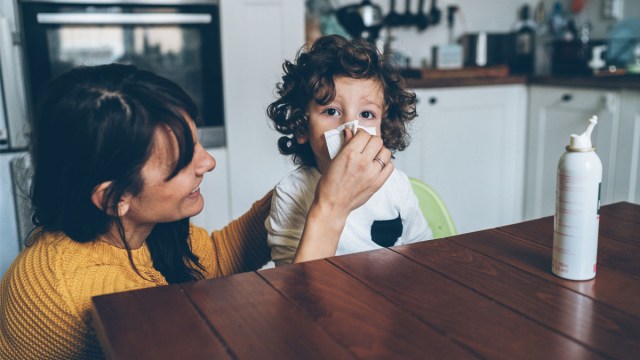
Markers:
407,17
435,14
421,19
393,18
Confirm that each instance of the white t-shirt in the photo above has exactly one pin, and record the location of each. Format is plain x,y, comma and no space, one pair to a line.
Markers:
292,198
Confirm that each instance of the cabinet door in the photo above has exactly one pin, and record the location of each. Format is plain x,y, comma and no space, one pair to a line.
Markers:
9,239
554,114
468,144
627,178
257,36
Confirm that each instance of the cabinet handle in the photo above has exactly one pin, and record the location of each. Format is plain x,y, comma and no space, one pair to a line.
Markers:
567,97
433,100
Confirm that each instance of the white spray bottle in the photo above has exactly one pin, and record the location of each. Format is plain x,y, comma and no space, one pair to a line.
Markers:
577,217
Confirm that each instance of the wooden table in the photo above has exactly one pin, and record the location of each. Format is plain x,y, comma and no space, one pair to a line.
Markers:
488,294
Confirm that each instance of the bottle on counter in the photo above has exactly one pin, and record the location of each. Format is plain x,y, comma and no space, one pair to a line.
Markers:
558,20
542,42
524,43
577,216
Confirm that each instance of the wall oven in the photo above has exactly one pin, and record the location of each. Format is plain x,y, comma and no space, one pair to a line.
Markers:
178,39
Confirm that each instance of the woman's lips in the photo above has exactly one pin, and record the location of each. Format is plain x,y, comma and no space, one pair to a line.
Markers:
195,192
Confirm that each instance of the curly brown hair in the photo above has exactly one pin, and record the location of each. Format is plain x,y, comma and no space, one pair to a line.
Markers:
311,77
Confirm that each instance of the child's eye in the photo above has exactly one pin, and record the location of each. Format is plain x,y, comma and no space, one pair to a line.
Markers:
331,112
367,115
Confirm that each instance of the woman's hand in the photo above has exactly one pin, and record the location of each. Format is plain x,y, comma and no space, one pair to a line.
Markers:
355,174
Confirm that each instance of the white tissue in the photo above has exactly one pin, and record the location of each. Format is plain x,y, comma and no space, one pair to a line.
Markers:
335,137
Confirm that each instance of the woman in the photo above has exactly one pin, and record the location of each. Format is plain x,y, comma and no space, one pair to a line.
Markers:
117,166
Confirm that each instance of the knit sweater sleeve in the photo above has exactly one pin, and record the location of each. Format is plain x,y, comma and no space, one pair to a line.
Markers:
45,300
238,247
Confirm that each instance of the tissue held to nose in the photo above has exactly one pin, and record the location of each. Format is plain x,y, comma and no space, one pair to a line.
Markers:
335,137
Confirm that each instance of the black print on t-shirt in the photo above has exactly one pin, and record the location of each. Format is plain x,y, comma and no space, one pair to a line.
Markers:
386,232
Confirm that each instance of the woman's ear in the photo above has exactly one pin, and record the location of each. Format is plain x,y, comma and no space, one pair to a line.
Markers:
97,198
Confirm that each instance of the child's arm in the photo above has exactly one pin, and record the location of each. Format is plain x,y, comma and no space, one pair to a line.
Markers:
285,223
349,182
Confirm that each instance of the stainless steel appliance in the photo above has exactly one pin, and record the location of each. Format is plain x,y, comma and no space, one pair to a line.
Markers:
179,39
572,57
14,127
487,49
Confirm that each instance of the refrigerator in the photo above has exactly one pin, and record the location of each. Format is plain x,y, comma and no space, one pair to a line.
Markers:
15,213
10,241
14,124
14,182
15,207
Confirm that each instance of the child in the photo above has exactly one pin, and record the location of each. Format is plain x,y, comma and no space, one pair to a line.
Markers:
333,83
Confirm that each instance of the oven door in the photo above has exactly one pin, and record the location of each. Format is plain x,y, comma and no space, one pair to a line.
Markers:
180,42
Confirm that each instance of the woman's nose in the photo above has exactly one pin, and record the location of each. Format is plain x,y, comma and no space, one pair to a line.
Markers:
204,161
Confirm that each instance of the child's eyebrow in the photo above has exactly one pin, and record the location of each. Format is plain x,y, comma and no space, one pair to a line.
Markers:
374,102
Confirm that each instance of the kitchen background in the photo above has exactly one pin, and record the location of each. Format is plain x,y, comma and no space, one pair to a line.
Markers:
487,140
495,16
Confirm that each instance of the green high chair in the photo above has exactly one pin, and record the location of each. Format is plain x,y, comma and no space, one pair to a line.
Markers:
433,209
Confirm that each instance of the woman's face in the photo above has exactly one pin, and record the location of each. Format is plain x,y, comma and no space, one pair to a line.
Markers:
356,99
165,201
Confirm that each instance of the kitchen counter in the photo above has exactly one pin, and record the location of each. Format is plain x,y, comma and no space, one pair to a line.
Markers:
470,81
464,78
614,82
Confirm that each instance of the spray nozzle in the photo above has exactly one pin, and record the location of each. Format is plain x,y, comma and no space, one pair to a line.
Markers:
583,142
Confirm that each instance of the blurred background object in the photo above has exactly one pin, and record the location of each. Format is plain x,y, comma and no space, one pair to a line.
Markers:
533,37
623,38
363,20
524,42
449,55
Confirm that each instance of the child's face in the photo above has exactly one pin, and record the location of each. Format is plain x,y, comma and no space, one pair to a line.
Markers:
356,99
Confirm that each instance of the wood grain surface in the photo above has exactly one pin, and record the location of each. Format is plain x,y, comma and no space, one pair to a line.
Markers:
486,295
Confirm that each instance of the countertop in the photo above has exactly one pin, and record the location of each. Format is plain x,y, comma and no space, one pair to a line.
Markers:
464,78
613,82
463,82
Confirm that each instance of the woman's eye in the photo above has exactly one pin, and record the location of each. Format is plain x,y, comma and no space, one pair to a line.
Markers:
367,115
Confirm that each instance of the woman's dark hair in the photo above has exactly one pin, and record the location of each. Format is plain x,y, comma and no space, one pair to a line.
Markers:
97,124
311,78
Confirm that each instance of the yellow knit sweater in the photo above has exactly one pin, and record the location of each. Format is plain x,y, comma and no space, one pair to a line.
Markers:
45,296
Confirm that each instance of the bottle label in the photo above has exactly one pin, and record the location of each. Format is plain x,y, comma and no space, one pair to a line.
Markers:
523,44
576,221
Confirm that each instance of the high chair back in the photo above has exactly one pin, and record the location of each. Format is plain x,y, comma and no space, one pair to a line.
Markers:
433,209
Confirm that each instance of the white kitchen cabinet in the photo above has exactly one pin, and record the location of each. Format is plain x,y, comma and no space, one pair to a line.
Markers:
627,171
257,36
469,145
9,239
554,114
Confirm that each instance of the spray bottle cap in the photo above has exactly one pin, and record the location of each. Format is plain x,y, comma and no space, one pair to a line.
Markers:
583,142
